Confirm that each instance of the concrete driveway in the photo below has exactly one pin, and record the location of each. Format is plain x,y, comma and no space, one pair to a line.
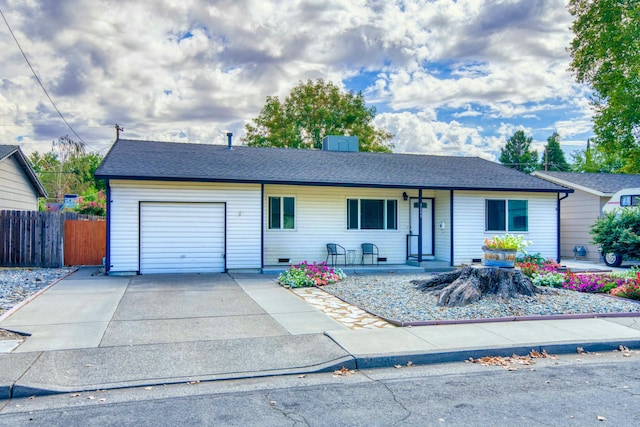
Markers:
85,311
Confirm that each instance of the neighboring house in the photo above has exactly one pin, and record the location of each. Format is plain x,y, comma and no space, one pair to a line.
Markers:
176,207
581,209
19,184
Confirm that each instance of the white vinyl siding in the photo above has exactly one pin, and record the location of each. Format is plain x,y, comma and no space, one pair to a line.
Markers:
321,218
181,237
16,190
578,212
442,214
469,223
243,216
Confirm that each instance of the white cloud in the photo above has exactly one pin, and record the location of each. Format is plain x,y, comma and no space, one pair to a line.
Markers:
189,70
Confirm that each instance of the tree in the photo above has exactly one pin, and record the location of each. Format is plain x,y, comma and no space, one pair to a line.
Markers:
67,169
517,153
313,110
594,159
605,54
553,157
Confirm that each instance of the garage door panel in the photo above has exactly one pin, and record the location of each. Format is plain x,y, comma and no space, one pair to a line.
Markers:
181,237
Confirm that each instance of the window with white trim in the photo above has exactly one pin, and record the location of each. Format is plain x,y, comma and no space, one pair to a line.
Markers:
372,214
282,214
506,215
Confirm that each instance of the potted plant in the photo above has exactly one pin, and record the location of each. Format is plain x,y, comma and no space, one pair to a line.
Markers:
501,251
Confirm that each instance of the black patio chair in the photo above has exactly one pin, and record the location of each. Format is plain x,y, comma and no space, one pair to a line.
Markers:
334,251
371,250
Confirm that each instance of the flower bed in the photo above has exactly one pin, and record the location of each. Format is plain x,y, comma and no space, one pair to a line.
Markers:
305,274
546,273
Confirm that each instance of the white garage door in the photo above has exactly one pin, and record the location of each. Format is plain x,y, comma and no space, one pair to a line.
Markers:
181,237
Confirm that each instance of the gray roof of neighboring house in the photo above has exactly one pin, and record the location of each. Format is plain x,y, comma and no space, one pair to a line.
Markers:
149,160
7,151
604,183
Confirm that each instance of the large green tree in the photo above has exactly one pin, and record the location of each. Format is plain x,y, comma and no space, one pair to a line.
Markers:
517,153
67,169
313,110
553,157
605,54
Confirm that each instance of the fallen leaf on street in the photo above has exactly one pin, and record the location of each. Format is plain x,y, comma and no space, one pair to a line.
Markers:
343,372
75,395
302,376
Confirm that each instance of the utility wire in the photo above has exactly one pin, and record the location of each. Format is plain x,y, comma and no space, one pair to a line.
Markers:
39,81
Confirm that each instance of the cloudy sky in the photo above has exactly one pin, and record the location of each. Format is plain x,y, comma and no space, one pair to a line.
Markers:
446,77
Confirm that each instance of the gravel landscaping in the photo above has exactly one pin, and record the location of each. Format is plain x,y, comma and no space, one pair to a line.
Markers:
394,297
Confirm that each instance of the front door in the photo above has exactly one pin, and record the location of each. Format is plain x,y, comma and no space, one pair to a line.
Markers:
427,226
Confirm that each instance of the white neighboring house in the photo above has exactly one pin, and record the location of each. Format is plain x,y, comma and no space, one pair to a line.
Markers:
19,184
592,192
176,207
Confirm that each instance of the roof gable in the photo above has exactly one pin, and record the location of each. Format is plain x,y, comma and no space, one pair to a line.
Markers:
7,151
599,184
149,160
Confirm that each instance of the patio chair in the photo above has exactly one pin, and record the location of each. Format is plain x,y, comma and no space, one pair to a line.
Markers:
371,250
334,251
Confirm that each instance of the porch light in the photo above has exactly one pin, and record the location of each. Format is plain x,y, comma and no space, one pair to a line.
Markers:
405,197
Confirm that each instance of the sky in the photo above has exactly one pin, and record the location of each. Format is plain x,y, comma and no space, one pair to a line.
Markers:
446,77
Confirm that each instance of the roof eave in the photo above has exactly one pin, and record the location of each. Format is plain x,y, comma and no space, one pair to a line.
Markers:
330,184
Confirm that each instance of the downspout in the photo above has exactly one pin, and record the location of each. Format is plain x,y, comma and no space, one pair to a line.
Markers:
558,225
451,254
107,263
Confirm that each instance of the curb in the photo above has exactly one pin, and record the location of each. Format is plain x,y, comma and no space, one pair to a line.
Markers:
353,362
387,361
17,390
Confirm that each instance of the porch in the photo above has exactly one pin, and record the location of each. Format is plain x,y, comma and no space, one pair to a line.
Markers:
424,267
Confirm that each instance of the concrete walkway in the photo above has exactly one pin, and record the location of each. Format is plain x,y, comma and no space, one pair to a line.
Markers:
90,333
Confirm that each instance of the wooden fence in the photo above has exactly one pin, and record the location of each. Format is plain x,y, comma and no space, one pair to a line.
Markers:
37,239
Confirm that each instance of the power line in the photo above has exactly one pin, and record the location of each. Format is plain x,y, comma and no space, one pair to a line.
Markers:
39,81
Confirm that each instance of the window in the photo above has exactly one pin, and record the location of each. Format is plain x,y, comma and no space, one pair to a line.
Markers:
507,215
282,213
372,214
629,200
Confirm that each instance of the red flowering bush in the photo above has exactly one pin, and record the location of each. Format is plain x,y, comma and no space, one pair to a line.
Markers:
92,204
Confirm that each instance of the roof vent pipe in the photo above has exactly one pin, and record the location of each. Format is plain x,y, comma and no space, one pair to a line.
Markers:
229,136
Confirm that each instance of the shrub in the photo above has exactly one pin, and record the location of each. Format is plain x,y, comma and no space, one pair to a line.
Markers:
618,232
92,204
552,279
305,274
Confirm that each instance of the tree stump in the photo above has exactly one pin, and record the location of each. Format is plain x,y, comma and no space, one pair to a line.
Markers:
470,283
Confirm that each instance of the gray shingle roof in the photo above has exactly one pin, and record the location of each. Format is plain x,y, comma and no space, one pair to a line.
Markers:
7,150
10,150
606,183
131,159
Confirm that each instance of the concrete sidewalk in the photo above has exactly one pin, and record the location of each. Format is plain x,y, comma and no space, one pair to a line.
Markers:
92,333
